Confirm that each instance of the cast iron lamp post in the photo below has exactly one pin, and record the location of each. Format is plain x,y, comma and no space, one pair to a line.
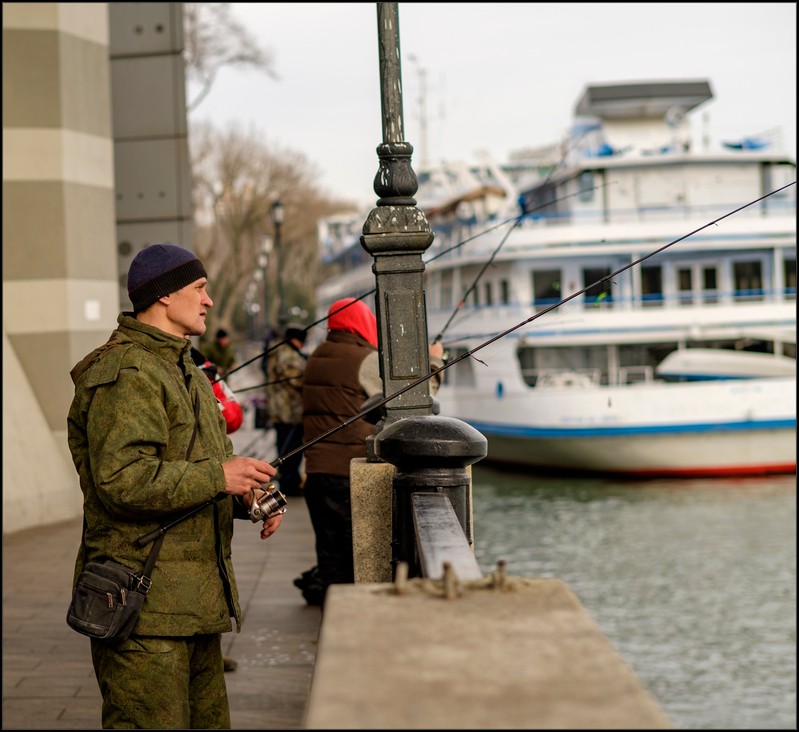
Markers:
276,214
431,453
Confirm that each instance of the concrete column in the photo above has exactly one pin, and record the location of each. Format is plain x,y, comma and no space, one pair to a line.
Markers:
59,267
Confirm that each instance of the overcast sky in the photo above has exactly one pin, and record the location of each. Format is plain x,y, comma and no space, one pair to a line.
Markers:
500,76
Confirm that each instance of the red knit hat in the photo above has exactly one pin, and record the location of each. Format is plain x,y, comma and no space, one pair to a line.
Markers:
353,316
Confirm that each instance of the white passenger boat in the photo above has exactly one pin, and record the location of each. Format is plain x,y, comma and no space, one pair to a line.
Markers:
647,332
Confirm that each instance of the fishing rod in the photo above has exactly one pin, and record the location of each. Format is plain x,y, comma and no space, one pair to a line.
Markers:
516,220
273,504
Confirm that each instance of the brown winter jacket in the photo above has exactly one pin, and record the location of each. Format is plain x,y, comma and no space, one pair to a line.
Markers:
331,394
129,428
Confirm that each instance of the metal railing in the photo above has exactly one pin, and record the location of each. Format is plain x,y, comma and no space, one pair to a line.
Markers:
440,539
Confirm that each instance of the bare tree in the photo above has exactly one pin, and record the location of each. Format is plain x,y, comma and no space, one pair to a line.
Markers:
236,178
213,39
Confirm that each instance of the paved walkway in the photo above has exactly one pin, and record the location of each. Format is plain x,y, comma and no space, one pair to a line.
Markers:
48,681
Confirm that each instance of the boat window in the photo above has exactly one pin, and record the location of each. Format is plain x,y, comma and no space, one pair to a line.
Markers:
599,295
461,373
504,289
789,278
748,280
474,295
526,356
541,202
553,366
652,286
446,290
685,286
710,287
585,186
489,297
777,176
546,288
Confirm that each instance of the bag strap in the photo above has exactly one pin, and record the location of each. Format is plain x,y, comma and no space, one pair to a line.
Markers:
144,575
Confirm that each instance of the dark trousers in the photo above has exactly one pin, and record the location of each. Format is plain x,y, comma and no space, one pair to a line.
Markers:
328,500
289,437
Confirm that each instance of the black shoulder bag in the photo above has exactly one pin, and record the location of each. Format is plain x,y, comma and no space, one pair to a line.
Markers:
108,596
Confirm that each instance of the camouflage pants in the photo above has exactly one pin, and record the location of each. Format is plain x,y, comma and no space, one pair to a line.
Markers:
162,683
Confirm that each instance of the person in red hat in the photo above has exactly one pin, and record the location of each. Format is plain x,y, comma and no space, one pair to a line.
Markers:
340,375
228,404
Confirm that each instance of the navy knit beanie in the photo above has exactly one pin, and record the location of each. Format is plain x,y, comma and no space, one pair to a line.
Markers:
159,270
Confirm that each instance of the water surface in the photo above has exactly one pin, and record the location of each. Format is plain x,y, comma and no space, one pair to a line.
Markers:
693,581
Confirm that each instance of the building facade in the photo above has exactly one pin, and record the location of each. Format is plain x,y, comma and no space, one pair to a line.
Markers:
95,166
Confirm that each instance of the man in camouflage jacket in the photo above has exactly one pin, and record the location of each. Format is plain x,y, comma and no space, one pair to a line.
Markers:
129,430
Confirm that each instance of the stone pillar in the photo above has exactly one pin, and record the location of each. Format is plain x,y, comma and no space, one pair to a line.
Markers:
59,266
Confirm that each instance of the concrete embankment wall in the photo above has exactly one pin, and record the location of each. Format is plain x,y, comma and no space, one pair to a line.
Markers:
504,652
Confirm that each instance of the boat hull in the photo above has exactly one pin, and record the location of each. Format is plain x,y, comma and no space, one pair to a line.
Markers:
679,454
659,430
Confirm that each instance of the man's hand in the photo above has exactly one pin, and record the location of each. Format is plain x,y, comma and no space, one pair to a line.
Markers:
245,474
271,525
437,350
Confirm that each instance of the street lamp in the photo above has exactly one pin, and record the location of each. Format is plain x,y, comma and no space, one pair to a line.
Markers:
276,214
263,263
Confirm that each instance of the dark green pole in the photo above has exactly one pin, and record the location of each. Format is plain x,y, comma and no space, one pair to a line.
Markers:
396,234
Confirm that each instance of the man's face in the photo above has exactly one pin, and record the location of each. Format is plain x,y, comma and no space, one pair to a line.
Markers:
187,309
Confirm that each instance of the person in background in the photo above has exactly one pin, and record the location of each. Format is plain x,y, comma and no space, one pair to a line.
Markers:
131,432
228,404
340,375
285,367
220,351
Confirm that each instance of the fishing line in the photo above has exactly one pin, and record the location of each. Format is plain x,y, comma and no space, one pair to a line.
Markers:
490,260
496,337
471,287
515,220
268,383
306,329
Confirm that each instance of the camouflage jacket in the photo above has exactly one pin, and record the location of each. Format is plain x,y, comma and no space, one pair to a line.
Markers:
129,428
285,366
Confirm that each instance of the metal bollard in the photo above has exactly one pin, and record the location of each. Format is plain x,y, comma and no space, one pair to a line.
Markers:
431,454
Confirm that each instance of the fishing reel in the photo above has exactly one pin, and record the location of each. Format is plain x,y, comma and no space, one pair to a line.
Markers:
272,503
